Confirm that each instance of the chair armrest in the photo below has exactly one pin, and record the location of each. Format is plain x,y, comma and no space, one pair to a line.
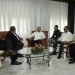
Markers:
1,52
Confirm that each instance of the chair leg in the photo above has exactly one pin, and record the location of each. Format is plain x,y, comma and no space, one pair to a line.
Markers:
65,53
0,63
64,56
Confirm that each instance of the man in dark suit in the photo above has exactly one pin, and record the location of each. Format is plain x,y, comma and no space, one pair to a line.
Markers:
13,43
55,36
72,53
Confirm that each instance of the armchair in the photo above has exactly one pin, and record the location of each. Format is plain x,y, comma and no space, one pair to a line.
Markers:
44,42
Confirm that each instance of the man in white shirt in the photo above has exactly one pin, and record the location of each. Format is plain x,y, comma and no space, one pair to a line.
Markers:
37,36
65,38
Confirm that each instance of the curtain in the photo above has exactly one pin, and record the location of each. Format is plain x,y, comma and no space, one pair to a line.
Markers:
58,15
26,15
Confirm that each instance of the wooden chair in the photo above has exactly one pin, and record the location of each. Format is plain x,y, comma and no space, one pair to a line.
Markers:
2,53
66,50
3,35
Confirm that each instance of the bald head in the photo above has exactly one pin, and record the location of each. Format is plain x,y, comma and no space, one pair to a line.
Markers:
38,29
12,28
66,29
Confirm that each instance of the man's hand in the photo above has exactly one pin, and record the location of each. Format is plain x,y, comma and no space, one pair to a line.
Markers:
27,39
21,39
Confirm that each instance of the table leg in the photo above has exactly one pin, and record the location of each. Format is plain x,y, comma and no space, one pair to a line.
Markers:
43,57
49,60
0,63
27,56
29,62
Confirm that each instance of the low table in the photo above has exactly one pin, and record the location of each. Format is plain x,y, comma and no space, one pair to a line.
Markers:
45,56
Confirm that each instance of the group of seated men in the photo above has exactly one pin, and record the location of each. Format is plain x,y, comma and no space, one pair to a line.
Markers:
64,38
14,42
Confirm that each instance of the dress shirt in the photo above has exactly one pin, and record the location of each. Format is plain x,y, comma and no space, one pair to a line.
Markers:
38,35
67,37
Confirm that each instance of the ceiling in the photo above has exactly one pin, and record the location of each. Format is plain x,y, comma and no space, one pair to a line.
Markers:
65,0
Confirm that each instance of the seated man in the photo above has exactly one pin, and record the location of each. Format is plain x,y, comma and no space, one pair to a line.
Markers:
13,44
72,53
55,37
37,36
65,38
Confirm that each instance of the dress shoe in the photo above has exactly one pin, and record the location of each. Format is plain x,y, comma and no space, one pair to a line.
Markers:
71,61
59,57
16,63
20,55
54,53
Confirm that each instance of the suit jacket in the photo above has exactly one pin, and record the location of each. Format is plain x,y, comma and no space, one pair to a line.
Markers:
12,40
56,34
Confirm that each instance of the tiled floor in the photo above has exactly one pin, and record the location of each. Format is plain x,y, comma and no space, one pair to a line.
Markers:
57,67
